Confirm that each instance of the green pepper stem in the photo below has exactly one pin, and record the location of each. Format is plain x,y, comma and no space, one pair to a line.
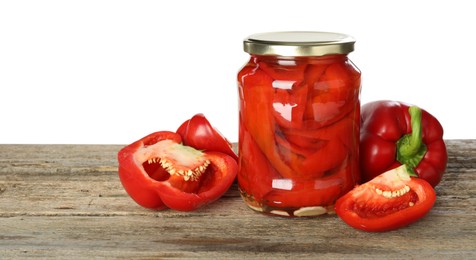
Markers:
410,148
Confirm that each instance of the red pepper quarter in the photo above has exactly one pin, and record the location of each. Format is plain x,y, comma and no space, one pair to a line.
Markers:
159,172
394,133
390,201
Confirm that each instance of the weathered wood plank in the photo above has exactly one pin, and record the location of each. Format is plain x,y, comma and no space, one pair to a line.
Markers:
66,201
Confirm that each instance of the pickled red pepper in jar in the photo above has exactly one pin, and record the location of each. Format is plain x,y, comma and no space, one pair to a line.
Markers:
299,119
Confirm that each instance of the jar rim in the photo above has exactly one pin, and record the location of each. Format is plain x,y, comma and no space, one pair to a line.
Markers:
298,43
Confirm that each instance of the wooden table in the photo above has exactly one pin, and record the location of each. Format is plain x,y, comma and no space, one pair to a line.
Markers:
66,201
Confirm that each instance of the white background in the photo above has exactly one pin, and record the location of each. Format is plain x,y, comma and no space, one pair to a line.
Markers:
110,72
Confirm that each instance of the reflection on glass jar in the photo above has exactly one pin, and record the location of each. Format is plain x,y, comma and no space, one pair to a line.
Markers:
299,122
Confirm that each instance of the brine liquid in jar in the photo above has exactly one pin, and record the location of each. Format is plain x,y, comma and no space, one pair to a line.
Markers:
299,118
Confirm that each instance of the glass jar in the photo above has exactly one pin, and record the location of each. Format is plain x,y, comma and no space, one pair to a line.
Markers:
299,120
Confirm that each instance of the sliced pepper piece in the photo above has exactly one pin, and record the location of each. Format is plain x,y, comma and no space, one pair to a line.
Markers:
261,126
390,201
284,69
333,96
289,105
253,183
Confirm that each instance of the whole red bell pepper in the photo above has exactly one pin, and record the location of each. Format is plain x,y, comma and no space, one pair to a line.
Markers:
159,172
394,133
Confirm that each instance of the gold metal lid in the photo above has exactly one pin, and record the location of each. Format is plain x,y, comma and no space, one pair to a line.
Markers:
298,43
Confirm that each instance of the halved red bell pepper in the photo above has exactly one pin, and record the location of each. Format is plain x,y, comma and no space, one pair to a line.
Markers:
394,133
159,172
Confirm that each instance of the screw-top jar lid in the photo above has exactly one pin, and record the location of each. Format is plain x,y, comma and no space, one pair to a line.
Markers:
298,43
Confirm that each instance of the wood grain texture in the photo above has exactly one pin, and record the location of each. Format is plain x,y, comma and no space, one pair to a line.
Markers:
66,201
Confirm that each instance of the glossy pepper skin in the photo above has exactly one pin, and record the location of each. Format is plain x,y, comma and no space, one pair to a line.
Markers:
152,186
199,133
394,133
